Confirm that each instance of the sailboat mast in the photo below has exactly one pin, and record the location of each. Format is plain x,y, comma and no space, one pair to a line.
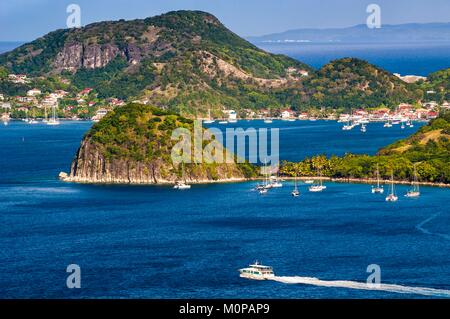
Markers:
416,182
392,183
378,176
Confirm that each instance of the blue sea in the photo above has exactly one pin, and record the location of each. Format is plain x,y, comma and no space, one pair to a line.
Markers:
404,58
154,242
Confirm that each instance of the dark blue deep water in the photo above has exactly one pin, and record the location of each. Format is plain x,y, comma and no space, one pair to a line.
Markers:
154,242
404,58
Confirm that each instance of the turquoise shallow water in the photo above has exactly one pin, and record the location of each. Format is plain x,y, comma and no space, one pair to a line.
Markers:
154,242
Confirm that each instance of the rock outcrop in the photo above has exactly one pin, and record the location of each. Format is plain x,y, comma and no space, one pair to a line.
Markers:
75,56
92,167
144,156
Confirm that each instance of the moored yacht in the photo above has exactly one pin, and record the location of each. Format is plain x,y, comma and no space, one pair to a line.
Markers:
414,192
257,272
378,189
275,183
349,126
392,197
295,192
317,187
54,120
363,128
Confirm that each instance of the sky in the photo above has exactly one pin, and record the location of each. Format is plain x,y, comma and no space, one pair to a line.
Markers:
25,20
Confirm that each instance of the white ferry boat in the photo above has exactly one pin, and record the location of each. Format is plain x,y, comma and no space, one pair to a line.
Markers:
257,272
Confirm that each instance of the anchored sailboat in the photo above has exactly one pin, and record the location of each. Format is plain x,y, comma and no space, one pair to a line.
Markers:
295,192
318,187
392,197
54,120
363,128
378,189
414,192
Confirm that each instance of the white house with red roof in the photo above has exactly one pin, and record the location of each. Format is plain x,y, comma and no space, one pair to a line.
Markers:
287,114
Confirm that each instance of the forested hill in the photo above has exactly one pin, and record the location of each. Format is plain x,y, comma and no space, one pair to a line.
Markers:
189,62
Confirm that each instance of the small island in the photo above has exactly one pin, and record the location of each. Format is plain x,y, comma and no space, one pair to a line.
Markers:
133,144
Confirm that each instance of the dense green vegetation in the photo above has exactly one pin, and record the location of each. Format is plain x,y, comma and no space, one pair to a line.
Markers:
35,58
114,80
172,68
352,82
143,133
439,82
429,149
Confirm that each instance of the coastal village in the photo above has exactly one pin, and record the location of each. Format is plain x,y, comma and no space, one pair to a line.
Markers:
85,105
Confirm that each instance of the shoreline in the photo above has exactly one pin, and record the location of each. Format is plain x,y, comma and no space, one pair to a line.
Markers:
75,180
64,177
365,181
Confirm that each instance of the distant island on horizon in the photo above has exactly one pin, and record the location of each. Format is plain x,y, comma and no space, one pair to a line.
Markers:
388,33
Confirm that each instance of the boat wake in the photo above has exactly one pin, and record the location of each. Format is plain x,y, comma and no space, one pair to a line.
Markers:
364,286
426,231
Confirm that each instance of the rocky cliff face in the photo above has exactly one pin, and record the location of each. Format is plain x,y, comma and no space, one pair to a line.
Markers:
138,152
78,55
91,166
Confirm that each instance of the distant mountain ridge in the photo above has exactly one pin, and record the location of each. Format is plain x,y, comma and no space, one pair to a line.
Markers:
410,32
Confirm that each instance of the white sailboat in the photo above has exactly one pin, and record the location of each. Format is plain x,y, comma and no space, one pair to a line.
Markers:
414,192
317,187
268,119
275,182
363,128
349,126
267,184
378,189
54,120
26,116
45,120
5,119
350,123
392,197
295,192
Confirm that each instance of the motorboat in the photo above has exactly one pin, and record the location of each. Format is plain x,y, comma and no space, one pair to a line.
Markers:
257,271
